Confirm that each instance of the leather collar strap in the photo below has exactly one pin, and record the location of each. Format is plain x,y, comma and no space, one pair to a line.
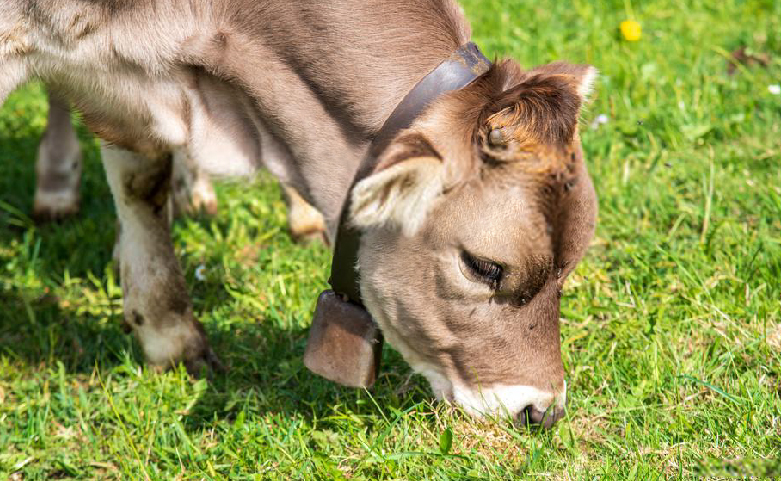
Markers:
464,66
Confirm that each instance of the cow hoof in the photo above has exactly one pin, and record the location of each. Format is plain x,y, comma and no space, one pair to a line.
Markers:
199,366
177,338
313,236
305,223
205,365
48,211
199,199
195,206
207,206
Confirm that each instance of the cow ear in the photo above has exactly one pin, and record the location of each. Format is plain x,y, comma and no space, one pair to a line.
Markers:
402,189
581,77
575,219
542,108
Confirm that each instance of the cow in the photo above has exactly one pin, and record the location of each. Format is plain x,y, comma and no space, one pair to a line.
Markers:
58,177
464,179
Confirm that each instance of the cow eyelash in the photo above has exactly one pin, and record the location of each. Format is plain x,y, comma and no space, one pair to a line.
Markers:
487,271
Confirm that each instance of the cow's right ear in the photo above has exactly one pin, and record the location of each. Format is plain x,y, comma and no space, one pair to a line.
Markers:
402,189
576,217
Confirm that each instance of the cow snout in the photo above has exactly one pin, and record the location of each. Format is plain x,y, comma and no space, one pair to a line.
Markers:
531,416
524,405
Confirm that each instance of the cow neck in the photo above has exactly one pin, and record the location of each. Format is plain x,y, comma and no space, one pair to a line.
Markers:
459,70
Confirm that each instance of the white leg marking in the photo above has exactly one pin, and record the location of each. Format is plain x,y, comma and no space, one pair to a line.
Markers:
58,168
157,306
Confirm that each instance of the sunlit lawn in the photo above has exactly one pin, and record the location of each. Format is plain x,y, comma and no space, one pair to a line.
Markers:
671,327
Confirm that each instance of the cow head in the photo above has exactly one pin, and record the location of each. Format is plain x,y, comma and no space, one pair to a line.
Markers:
471,221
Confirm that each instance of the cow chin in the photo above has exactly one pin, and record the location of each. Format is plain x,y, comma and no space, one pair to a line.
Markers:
440,384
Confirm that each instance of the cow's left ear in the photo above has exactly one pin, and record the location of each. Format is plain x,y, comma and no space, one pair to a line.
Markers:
402,189
582,77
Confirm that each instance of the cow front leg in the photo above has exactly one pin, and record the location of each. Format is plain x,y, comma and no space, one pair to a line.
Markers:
193,192
157,307
58,168
306,223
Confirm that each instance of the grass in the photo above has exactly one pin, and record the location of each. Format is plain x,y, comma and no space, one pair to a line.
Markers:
671,326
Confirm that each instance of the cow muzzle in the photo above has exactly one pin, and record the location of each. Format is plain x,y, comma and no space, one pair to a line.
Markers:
525,405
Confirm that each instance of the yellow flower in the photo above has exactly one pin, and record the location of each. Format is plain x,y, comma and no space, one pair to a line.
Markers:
631,30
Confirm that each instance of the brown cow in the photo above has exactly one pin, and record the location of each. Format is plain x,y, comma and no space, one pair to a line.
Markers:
471,215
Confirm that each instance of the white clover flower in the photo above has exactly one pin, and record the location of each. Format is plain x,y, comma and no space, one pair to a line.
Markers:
774,89
601,119
199,272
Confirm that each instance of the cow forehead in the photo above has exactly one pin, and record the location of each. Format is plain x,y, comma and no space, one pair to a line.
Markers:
502,197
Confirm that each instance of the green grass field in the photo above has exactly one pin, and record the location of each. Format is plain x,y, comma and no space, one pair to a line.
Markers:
671,326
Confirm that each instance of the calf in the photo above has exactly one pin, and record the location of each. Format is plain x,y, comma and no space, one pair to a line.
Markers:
472,202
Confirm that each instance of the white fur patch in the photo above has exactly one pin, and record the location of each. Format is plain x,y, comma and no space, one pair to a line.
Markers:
402,194
12,74
505,400
62,201
163,346
168,125
586,86
224,131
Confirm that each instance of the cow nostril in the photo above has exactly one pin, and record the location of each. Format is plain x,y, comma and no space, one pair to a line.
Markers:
531,416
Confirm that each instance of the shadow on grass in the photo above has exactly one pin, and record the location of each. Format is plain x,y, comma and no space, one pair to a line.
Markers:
38,332
37,327
266,362
266,375
265,372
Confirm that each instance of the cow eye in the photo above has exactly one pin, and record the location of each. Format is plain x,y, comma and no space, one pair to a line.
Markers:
484,270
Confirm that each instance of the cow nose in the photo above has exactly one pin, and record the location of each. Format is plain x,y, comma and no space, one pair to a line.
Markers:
531,416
